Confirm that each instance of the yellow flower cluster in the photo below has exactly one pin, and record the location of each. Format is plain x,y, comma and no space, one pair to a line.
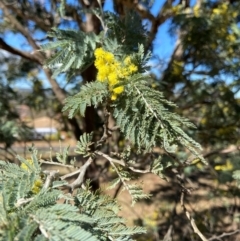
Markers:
24,166
225,11
221,9
177,9
112,71
227,167
196,11
38,183
177,68
37,186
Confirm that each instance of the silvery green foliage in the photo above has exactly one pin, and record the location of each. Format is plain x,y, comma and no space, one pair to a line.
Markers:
143,114
91,94
74,50
144,117
27,216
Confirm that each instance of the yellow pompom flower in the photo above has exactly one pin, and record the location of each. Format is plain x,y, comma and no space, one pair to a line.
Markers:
217,11
38,183
133,68
118,90
196,11
113,79
99,52
176,9
109,57
113,97
231,38
37,186
103,73
112,71
227,167
235,14
24,166
124,73
127,60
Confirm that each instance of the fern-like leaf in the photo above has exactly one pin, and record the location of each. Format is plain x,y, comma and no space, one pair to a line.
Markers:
74,50
84,145
92,93
145,119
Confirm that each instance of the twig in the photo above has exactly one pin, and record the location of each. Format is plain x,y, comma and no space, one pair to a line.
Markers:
51,163
62,168
23,201
114,128
79,181
20,27
120,162
41,228
223,235
191,219
51,175
106,132
101,17
117,190
71,174
168,235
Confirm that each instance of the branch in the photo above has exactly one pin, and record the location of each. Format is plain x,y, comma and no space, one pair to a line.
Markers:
106,132
44,22
224,235
192,221
56,88
71,174
120,162
159,20
61,168
144,12
168,235
12,50
51,175
19,26
23,201
79,181
41,227
75,16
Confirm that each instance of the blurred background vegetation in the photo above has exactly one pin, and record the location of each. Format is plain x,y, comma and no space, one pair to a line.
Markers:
201,75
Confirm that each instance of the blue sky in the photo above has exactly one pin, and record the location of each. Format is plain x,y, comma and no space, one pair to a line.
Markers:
163,44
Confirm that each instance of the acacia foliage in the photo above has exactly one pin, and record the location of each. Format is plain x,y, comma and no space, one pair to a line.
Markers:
28,213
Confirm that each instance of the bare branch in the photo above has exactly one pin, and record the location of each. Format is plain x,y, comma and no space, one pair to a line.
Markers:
19,26
162,16
144,12
71,174
191,219
120,162
41,227
224,235
51,175
168,235
22,201
76,17
61,168
44,23
12,50
60,94
79,181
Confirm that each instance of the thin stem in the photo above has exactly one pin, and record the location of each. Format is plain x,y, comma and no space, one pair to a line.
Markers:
191,219
79,181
